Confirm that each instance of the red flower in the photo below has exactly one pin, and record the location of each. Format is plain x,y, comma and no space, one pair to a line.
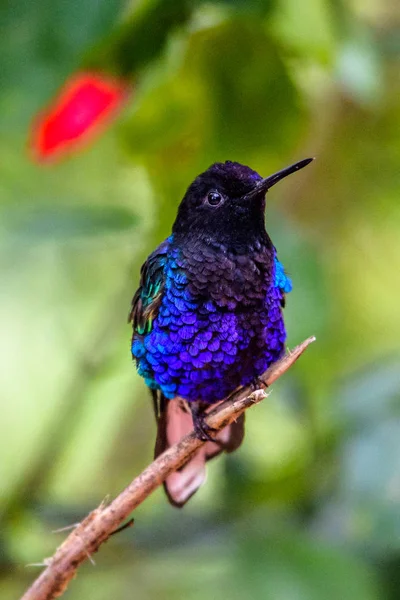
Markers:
82,109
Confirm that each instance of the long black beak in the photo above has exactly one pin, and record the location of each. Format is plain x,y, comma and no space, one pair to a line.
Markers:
263,186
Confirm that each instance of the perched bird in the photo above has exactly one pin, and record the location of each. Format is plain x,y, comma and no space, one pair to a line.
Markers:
207,317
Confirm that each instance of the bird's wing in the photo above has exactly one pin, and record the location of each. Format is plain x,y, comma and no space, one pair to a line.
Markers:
146,302
282,280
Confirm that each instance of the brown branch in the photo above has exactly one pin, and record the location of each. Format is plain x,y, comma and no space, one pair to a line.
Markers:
97,527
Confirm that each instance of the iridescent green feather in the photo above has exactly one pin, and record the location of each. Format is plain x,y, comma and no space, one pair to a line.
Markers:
147,300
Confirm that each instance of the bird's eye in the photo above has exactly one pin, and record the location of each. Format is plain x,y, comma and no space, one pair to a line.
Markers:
214,198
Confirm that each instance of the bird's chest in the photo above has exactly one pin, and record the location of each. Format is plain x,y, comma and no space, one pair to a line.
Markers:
237,281
216,327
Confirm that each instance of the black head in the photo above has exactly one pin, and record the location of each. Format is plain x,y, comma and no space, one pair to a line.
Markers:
227,202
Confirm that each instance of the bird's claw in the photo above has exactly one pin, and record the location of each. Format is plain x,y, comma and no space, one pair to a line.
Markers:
202,430
258,383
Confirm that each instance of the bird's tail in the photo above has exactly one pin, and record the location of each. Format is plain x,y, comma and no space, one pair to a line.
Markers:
174,421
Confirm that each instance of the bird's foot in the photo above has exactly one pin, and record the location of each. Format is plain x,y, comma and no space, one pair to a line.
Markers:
201,429
258,384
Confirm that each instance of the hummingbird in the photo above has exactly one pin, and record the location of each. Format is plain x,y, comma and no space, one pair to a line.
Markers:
207,316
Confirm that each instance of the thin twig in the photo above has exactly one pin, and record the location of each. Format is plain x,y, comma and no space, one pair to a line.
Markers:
123,527
97,527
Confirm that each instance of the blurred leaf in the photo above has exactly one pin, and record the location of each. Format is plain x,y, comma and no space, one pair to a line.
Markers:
306,28
54,28
254,104
359,69
364,512
56,33
369,395
42,224
40,45
176,121
292,567
142,36
262,7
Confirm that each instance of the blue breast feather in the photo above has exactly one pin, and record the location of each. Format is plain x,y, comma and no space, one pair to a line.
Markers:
282,281
203,350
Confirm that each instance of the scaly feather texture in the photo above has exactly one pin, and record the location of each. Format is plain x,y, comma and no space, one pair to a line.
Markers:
207,317
202,347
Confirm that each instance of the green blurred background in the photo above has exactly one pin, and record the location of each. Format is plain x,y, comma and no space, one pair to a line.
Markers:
309,508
